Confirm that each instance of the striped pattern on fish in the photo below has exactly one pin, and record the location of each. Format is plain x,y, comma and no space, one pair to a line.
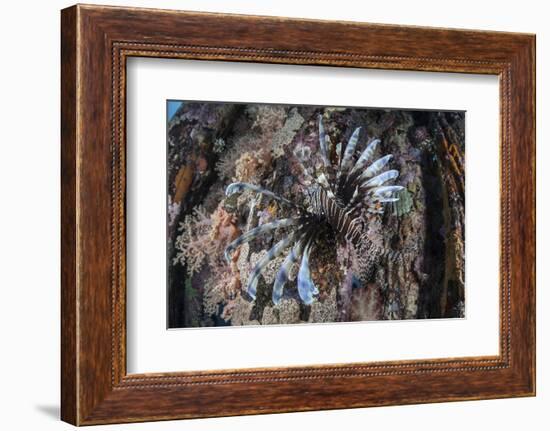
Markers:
341,221
338,195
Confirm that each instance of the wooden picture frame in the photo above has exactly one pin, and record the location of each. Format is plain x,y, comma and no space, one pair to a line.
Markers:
96,41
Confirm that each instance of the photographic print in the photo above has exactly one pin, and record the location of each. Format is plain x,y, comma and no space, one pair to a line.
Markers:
288,214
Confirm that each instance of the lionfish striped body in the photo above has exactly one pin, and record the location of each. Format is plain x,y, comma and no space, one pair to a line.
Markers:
339,196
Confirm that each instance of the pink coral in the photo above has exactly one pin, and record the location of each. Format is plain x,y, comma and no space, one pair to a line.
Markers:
193,249
203,238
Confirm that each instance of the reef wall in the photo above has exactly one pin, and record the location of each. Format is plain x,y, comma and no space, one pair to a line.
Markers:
421,270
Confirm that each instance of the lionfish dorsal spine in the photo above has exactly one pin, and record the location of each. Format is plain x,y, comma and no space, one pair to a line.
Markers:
382,178
349,152
377,166
365,157
323,143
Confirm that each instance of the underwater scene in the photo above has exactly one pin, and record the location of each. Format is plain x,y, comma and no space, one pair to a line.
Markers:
286,214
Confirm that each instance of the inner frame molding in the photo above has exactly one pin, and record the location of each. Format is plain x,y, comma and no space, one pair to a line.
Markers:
135,324
96,42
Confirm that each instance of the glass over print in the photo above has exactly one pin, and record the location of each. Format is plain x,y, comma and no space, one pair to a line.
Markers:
285,214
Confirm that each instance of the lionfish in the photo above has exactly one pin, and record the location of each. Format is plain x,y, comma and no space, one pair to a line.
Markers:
339,195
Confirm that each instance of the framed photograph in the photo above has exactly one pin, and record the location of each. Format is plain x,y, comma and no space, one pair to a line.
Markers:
264,215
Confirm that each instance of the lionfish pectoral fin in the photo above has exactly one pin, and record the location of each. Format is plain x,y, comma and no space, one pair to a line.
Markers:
256,232
239,187
306,287
283,273
275,251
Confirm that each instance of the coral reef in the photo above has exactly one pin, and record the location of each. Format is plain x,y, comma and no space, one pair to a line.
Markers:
416,241
333,205
193,244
